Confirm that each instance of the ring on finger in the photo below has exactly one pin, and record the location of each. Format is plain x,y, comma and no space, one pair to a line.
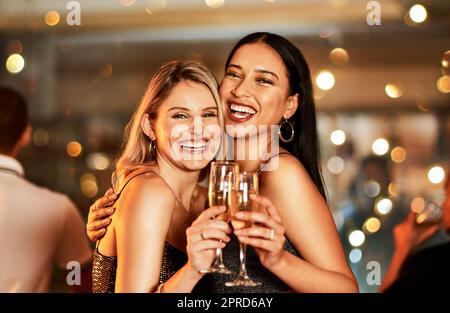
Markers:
272,234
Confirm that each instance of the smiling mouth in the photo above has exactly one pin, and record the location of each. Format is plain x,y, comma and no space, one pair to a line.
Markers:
194,146
241,113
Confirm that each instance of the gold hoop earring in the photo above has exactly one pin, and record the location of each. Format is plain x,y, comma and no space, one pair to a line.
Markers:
292,131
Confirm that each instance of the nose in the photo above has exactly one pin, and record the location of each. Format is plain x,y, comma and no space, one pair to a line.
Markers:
242,89
196,127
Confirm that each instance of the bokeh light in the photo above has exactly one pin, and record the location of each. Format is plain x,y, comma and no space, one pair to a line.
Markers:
13,47
393,189
436,175
384,206
356,238
41,137
74,149
418,13
355,255
443,84
398,154
15,63
372,225
88,185
214,3
417,205
98,161
325,80
52,18
335,165
339,56
372,188
337,137
393,90
380,146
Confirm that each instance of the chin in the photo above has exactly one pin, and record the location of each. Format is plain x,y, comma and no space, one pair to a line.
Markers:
195,165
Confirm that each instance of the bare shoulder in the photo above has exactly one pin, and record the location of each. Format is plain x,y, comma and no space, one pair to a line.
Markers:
145,194
287,170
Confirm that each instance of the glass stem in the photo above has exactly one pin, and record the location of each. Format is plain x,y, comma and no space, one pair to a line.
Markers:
242,258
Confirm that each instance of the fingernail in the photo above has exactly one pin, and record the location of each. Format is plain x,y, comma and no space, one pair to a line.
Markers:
109,210
112,197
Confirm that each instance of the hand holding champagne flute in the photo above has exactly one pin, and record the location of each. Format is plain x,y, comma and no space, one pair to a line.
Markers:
218,191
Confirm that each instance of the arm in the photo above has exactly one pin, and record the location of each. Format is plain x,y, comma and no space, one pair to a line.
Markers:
306,220
141,232
407,236
142,223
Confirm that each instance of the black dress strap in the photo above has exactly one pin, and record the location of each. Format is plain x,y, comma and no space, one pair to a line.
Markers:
270,158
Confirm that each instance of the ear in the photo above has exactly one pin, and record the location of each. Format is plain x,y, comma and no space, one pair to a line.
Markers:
26,136
292,105
146,127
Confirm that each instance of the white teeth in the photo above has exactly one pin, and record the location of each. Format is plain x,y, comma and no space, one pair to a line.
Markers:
242,109
194,145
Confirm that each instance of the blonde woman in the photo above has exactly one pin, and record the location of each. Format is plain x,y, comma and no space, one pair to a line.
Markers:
156,185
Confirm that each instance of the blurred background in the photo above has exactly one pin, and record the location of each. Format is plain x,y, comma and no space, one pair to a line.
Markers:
381,88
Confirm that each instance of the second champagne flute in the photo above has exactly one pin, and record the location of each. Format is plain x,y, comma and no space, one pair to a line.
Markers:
218,191
242,186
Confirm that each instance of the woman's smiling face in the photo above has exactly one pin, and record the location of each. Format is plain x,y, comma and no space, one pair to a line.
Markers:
255,88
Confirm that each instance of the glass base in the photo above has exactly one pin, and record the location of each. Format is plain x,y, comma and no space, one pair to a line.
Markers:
216,269
246,281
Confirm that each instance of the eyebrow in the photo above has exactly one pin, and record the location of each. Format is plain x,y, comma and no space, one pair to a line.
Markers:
257,70
187,110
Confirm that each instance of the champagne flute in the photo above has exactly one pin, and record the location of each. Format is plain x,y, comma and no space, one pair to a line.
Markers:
218,194
242,186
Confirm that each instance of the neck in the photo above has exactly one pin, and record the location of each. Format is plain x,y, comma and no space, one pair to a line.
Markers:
251,152
183,182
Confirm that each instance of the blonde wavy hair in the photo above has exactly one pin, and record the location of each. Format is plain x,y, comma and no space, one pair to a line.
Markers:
136,145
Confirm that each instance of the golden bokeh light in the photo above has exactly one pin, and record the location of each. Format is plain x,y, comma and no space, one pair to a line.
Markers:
393,189
74,149
372,225
214,3
88,185
52,18
393,90
417,205
15,63
443,84
398,154
339,56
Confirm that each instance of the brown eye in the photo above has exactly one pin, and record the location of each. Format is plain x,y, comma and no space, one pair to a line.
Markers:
232,74
179,116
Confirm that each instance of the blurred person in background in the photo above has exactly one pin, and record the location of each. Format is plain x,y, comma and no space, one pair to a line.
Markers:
421,260
38,227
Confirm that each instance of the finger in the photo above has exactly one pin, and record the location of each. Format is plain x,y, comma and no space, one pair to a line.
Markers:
103,201
262,218
96,235
269,245
209,214
100,213
210,233
97,225
206,245
219,225
268,205
261,232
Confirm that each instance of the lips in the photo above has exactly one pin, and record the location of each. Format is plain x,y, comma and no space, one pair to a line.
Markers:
193,146
240,112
